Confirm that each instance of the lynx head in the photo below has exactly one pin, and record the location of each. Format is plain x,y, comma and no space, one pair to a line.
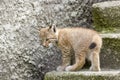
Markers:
47,36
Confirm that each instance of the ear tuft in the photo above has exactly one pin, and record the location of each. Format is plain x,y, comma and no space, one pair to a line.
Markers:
52,28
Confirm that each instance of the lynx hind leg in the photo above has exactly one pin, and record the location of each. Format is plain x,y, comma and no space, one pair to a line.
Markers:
66,59
79,62
95,51
95,61
60,68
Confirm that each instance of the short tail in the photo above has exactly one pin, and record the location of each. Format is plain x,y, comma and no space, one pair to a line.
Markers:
92,45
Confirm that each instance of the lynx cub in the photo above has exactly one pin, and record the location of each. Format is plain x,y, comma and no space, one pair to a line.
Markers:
81,43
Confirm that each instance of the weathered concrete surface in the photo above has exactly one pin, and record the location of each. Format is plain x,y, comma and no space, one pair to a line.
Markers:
106,16
83,75
21,56
111,35
110,53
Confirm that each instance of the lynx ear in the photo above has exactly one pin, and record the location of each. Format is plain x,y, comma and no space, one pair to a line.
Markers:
52,28
40,27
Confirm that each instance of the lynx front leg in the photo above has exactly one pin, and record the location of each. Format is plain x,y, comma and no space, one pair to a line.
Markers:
95,61
79,62
66,58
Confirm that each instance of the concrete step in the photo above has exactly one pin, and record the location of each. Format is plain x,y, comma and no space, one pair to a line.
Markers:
110,53
83,75
106,16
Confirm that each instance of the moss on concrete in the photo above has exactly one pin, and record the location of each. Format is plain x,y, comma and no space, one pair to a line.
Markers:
106,19
110,53
82,75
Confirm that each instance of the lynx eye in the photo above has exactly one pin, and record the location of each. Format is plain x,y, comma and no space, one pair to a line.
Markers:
51,39
47,39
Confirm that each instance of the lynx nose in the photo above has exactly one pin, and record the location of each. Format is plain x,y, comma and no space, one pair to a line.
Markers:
44,45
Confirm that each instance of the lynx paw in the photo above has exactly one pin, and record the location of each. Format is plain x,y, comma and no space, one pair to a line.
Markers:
95,69
60,68
68,68
91,68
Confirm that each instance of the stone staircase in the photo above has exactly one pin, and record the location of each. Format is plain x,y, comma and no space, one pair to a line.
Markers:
106,16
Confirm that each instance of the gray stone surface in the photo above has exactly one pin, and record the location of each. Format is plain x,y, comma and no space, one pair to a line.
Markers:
21,56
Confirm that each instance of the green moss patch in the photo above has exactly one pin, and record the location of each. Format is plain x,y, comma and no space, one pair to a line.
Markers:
110,53
83,75
106,19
